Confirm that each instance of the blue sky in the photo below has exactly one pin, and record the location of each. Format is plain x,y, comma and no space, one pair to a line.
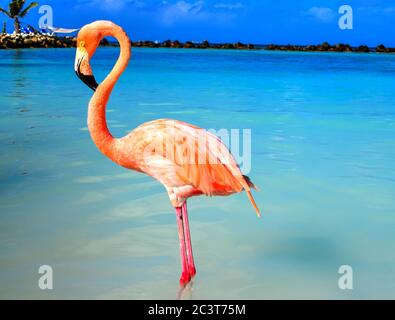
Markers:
255,21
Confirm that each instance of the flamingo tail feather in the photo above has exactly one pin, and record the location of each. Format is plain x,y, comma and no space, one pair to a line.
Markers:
258,213
247,184
250,183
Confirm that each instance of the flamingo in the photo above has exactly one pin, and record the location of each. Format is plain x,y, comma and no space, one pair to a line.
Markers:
164,149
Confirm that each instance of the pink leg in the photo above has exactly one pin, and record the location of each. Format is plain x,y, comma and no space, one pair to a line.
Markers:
187,233
185,277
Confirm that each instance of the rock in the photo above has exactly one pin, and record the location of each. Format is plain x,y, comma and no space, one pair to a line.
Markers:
167,44
381,48
228,46
343,48
362,48
176,44
149,44
104,42
325,47
240,45
205,44
189,44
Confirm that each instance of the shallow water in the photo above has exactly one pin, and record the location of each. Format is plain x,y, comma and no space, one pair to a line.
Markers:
323,150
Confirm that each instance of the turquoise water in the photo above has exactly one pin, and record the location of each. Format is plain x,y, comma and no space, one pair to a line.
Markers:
323,151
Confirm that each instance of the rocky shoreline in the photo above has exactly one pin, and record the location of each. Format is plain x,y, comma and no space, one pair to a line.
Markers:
18,41
24,41
192,45
21,41
326,47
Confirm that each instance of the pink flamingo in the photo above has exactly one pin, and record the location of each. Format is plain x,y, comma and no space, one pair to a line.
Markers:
187,160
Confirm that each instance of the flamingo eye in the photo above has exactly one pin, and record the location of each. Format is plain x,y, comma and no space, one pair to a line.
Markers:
82,44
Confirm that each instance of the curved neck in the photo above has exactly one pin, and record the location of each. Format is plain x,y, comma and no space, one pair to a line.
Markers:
97,123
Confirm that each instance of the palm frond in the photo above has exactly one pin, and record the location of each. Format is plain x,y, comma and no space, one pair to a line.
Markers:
5,12
30,6
16,7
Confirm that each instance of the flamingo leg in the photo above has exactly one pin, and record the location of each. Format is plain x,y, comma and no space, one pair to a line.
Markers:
185,277
187,234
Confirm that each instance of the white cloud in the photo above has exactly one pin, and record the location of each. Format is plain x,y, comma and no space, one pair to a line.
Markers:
110,4
183,10
169,12
322,14
377,10
229,6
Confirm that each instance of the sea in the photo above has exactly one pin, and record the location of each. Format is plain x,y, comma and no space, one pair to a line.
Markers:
319,131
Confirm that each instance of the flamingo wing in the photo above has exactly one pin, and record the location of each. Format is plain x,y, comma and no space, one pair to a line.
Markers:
179,154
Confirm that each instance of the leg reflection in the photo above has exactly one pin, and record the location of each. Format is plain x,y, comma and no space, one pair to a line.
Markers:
185,292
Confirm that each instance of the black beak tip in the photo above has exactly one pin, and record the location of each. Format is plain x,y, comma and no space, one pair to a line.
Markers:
89,80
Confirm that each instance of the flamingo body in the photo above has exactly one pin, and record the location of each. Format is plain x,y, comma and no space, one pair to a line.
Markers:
186,159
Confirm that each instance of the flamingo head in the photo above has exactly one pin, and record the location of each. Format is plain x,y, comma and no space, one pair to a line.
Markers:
87,41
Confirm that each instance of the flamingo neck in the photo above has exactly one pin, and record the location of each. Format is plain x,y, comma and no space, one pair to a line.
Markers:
97,123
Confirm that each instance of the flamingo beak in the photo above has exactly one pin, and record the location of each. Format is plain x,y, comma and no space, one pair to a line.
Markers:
83,69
